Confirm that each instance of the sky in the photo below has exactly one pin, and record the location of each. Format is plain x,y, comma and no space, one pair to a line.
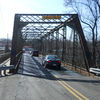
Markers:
8,8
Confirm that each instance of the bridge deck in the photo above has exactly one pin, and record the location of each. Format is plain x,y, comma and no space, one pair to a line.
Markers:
33,82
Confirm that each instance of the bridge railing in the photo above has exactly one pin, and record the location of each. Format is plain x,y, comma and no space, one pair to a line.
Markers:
15,61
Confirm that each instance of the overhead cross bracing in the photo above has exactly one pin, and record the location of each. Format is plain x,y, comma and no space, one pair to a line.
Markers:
37,25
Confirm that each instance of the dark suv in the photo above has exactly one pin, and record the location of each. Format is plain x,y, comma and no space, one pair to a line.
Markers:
35,53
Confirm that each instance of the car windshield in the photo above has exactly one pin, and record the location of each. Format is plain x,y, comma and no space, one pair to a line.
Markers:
52,57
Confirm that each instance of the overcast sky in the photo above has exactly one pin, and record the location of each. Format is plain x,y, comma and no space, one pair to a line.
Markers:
8,8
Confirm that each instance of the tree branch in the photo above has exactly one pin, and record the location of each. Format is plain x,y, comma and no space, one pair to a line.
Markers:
86,24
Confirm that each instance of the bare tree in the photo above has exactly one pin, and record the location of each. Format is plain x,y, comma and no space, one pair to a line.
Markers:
98,4
89,14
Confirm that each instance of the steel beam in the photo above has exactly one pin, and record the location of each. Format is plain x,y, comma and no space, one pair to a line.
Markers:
15,40
64,43
84,46
57,42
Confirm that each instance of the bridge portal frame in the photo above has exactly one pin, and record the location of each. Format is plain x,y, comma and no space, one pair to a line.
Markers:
22,21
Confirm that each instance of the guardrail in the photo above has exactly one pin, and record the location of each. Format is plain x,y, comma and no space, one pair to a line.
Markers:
11,68
95,71
4,68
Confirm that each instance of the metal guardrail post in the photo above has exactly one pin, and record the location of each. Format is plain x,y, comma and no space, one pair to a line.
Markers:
4,70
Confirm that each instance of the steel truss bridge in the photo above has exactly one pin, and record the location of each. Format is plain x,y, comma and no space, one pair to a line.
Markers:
59,34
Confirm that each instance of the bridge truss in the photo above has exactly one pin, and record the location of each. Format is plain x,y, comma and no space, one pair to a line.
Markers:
49,33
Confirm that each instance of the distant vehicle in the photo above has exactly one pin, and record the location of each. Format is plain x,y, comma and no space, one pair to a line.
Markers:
27,50
52,61
35,53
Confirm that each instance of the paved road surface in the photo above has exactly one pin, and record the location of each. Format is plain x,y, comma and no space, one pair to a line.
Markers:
33,82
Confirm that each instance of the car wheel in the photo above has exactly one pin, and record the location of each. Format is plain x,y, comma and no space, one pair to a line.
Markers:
45,65
59,67
42,64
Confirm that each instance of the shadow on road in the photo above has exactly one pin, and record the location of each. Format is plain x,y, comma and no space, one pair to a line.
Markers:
49,76
30,70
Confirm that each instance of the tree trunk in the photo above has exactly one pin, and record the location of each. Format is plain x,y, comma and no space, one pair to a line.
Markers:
93,48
